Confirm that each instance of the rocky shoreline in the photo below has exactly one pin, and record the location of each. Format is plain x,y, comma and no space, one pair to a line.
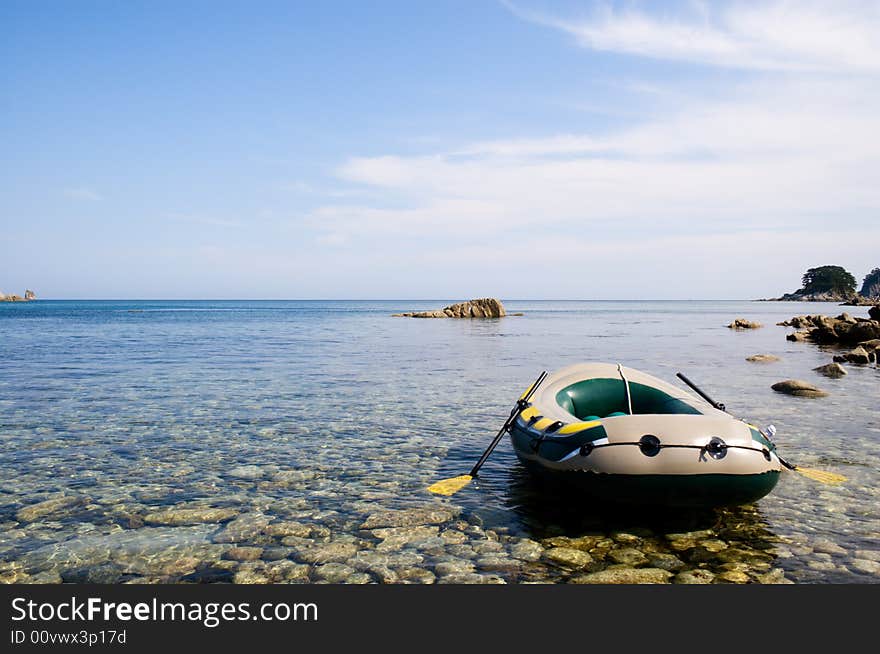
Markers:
862,335
28,296
856,300
841,330
844,330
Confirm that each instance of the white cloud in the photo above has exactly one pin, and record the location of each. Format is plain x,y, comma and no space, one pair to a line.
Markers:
83,193
778,172
831,36
784,155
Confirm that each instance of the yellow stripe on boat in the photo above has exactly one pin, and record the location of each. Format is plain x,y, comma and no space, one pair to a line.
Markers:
575,427
543,423
526,392
527,414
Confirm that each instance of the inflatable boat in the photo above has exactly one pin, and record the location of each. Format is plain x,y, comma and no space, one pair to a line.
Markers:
620,435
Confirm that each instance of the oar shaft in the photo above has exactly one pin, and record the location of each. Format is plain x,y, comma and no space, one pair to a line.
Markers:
687,381
519,406
498,437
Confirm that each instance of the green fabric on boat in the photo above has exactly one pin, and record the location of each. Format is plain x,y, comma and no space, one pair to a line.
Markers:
591,418
694,491
566,403
615,414
601,397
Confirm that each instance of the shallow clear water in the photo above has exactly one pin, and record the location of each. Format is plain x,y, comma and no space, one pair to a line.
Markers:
323,413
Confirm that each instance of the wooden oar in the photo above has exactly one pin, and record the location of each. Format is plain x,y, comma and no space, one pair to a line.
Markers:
822,476
455,484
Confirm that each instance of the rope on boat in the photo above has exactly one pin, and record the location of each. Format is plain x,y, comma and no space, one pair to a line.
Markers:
629,403
710,448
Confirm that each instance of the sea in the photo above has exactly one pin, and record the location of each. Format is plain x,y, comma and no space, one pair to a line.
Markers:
150,441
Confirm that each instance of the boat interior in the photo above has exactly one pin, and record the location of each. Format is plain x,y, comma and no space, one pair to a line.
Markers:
592,399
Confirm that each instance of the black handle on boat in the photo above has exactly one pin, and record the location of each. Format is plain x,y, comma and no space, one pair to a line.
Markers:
520,405
687,381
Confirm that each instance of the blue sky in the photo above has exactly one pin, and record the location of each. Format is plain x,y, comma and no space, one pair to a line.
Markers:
436,150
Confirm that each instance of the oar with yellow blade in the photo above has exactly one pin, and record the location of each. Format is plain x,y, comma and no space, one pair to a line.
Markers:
455,484
816,475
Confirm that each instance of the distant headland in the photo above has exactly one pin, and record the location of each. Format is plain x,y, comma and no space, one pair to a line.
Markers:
28,296
834,284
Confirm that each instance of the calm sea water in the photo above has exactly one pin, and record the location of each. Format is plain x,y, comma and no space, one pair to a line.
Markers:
324,412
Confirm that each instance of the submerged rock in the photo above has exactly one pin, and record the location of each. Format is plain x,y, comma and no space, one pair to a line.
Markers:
628,556
668,562
526,550
48,507
798,388
147,551
244,553
697,576
189,516
337,552
408,517
568,556
625,576
733,577
762,358
394,538
248,472
245,527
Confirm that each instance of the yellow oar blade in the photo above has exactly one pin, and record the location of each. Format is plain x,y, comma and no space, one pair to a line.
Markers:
451,485
821,476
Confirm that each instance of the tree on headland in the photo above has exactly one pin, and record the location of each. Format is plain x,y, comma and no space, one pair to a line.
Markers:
871,285
828,279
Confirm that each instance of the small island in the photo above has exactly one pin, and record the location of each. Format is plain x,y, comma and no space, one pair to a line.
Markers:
835,284
28,296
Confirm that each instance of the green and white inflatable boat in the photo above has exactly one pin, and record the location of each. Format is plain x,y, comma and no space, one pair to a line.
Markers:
623,436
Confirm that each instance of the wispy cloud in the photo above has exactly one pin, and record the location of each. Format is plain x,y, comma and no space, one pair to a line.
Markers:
746,184
83,193
199,219
838,36
785,153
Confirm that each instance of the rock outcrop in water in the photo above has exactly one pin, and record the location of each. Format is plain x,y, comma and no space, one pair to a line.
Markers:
480,308
844,329
742,323
762,358
863,333
28,296
798,388
832,370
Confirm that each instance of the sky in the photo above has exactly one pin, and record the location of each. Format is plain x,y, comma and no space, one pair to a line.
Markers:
520,149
